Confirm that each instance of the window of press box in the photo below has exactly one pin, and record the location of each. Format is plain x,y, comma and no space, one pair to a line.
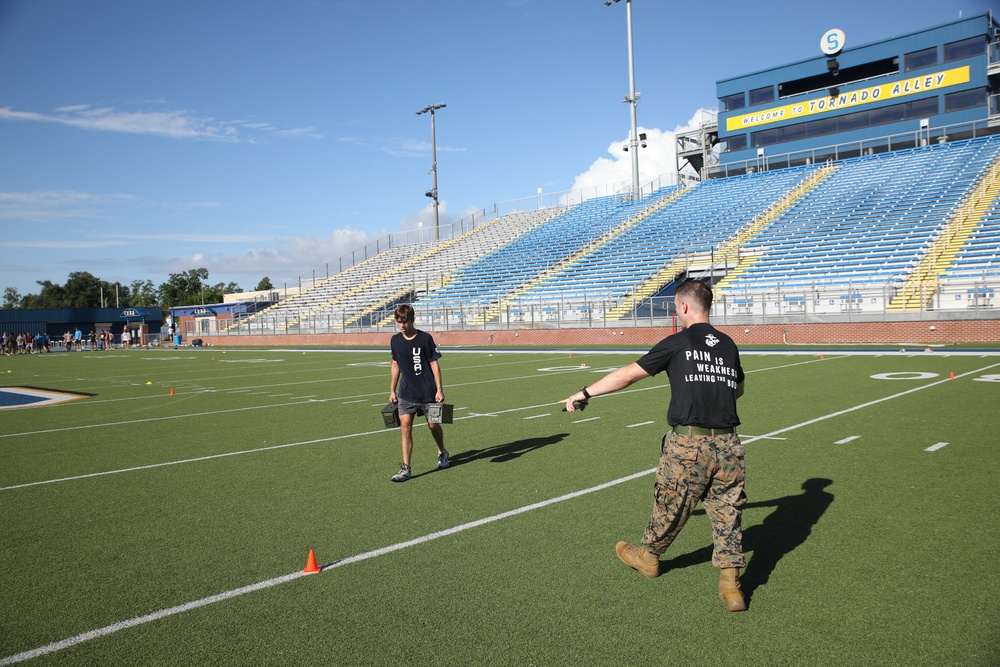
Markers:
852,121
919,59
965,99
762,95
966,48
733,102
737,142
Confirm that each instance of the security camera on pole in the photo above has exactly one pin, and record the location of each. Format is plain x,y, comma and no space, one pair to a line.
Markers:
433,192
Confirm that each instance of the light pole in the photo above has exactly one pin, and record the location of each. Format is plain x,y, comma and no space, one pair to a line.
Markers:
631,99
433,192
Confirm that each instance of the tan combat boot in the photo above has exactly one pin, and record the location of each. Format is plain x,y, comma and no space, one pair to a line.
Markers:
639,558
729,590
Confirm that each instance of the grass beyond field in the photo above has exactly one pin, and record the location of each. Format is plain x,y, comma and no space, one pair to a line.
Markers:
140,527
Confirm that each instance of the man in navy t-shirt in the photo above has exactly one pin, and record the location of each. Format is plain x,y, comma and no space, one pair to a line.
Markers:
416,370
701,458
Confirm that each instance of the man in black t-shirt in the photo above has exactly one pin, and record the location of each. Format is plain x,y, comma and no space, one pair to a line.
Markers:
702,456
415,362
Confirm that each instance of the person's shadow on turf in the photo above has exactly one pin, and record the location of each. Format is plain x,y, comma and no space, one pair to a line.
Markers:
788,526
507,451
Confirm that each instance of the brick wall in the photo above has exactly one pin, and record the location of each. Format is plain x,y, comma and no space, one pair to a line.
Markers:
903,333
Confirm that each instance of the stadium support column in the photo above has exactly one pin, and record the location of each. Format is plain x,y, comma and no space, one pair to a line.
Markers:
433,192
632,100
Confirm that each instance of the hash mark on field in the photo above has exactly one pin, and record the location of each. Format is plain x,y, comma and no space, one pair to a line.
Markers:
537,416
358,401
847,440
640,424
934,448
588,419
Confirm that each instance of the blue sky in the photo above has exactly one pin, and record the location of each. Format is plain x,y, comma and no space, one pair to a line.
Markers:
251,138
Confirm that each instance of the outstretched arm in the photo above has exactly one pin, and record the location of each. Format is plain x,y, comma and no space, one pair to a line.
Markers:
612,382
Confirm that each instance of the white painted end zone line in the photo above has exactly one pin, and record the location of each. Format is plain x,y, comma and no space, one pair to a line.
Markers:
934,448
847,440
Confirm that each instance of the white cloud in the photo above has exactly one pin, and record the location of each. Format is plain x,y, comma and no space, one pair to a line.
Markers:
176,124
58,244
62,204
408,147
657,161
75,205
286,259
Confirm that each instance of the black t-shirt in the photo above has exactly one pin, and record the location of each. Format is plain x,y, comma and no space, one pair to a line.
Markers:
703,365
414,357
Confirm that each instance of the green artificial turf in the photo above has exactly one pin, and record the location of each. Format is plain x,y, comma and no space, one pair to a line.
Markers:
131,501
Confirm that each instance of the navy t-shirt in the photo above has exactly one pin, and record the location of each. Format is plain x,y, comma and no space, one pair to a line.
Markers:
414,357
703,365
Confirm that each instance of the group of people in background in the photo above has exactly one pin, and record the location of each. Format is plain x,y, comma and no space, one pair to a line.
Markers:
73,341
25,343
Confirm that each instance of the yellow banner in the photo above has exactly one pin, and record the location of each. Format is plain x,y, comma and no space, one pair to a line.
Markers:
886,91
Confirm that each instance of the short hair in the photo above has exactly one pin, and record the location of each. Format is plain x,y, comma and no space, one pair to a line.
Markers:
697,291
404,313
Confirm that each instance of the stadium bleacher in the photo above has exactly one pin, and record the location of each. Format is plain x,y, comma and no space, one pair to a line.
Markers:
866,226
854,235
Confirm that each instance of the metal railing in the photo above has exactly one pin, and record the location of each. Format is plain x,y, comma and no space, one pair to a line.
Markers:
948,299
844,151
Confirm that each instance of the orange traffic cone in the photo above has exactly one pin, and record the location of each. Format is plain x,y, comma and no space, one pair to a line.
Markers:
951,376
171,391
822,356
213,358
311,566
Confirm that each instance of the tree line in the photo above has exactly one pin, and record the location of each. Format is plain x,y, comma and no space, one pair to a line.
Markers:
84,290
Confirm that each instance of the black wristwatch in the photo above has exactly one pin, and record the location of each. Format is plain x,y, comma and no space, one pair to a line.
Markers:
586,394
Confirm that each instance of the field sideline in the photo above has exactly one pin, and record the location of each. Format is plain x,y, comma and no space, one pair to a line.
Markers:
165,517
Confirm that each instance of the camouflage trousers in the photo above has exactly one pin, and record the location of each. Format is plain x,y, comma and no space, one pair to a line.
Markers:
705,468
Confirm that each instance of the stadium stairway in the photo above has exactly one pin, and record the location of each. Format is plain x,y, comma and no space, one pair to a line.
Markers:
869,223
497,308
306,298
730,250
922,284
386,277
